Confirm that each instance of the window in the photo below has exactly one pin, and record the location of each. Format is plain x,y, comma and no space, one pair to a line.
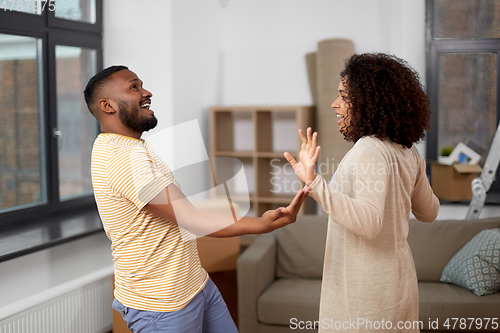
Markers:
22,174
463,61
48,51
76,126
76,10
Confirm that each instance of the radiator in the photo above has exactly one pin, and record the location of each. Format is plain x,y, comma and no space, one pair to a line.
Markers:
82,305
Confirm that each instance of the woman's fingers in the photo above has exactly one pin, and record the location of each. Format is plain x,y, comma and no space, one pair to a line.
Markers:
309,139
316,154
302,137
290,159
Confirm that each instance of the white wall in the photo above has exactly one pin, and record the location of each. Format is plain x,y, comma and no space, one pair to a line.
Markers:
252,52
197,45
266,41
138,35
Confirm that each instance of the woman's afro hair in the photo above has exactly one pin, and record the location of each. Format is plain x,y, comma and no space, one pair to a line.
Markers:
385,99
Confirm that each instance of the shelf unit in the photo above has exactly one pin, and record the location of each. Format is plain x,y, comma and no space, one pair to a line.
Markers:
256,137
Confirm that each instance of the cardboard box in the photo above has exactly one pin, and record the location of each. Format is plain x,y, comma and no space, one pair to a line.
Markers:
218,254
453,182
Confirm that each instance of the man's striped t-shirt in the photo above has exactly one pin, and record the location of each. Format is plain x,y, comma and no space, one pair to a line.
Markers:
155,268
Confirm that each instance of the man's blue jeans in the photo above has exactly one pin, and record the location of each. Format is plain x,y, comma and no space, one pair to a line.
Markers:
205,313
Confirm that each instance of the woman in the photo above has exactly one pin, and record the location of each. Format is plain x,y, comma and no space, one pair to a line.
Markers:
369,278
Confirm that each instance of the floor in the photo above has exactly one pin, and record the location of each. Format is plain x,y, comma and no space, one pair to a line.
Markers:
457,211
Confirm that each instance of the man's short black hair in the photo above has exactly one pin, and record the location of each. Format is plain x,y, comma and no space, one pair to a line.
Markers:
97,81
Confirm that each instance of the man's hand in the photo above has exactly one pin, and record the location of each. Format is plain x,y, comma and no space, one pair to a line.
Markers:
309,152
283,216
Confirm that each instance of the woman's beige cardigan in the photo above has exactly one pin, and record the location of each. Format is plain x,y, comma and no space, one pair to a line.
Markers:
369,279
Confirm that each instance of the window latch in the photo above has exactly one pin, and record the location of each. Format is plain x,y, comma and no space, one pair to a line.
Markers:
58,135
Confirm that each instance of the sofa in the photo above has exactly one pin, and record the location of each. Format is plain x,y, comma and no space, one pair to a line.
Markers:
279,277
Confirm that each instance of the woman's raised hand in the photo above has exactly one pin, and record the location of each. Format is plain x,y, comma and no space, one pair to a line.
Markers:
308,155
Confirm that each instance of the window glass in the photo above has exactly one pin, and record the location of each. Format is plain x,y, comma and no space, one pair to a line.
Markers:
22,173
467,19
77,128
76,10
467,100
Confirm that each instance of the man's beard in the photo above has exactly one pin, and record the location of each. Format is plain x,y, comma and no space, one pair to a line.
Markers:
130,118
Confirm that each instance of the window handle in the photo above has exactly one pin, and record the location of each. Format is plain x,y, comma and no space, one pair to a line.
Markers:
58,135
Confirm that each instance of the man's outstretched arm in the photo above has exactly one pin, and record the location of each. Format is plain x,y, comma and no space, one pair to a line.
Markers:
171,204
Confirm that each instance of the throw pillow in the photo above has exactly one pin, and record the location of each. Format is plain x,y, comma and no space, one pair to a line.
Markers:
477,265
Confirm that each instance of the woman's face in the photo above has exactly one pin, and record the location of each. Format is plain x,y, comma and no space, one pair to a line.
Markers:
341,106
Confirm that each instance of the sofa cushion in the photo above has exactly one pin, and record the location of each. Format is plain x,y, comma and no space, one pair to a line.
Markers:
285,299
476,266
442,301
434,244
301,248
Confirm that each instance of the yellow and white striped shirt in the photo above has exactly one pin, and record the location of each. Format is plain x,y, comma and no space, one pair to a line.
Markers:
155,269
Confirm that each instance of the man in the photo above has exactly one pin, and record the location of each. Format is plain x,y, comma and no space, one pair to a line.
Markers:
160,285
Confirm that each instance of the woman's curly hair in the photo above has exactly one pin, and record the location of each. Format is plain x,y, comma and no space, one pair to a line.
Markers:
385,99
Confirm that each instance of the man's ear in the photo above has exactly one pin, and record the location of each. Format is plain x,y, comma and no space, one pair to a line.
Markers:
106,106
